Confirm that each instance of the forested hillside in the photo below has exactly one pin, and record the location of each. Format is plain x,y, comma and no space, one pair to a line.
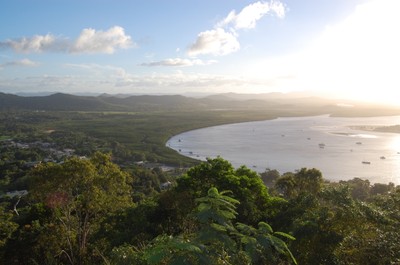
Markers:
89,180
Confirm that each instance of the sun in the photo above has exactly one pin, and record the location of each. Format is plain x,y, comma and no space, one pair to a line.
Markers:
356,58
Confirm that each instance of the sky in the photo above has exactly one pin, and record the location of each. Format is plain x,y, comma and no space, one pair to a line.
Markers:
340,48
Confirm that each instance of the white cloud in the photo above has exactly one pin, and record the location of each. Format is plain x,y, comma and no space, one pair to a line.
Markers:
223,39
89,41
92,41
215,42
248,17
23,62
37,43
179,62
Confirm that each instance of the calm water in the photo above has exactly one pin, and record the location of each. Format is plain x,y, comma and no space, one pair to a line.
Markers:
287,144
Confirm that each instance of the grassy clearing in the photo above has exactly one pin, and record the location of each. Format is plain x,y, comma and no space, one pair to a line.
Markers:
4,137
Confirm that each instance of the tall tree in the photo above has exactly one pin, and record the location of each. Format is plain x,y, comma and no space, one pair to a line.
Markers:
305,181
81,192
7,225
246,186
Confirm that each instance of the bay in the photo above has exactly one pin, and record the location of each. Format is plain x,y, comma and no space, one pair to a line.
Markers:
335,145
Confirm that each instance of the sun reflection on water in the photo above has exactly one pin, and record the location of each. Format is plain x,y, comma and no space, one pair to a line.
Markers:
395,145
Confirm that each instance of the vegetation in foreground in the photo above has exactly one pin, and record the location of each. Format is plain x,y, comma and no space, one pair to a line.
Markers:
87,211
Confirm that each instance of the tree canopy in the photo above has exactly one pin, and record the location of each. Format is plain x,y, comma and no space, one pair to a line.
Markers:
81,211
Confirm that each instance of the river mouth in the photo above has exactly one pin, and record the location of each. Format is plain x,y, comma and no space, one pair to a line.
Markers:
336,146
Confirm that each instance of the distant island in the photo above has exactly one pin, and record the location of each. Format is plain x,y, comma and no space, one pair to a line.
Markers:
388,129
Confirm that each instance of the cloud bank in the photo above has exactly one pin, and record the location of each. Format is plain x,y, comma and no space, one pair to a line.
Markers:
89,41
114,79
179,62
23,62
223,39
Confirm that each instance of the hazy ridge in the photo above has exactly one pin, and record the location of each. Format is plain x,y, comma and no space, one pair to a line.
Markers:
287,104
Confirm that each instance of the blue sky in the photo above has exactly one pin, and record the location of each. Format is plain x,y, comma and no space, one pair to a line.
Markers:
342,48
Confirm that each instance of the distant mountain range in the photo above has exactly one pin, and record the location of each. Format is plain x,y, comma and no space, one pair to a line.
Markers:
226,101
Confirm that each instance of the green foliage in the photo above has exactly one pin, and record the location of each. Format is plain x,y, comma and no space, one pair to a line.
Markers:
81,194
126,254
7,226
216,240
339,223
304,181
263,245
174,251
377,240
216,207
359,188
215,213
246,186
269,177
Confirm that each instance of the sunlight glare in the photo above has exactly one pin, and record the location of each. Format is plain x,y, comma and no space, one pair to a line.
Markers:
357,58
395,144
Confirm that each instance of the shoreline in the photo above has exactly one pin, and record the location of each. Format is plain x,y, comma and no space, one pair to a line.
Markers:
234,157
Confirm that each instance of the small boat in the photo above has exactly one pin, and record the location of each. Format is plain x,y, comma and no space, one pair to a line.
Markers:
382,157
359,143
321,145
366,162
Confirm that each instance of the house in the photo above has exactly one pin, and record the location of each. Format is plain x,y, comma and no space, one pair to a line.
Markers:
165,185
